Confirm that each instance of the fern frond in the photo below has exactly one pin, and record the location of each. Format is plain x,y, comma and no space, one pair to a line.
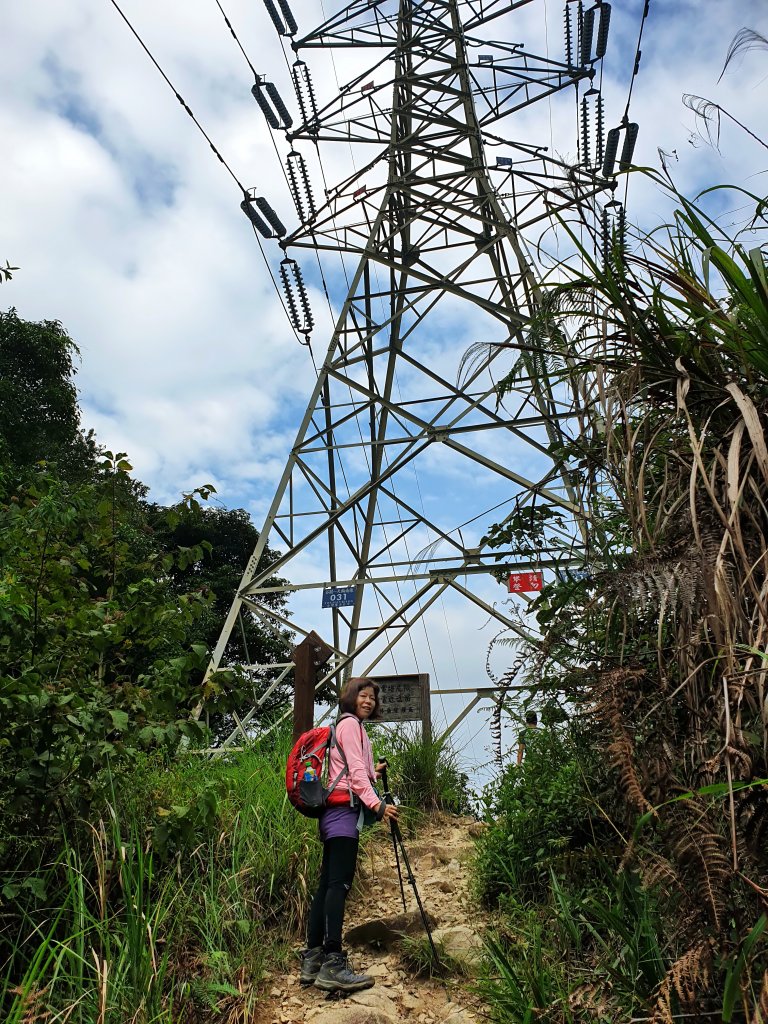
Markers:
607,707
703,855
621,752
752,815
594,997
687,976
656,872
709,113
427,552
478,355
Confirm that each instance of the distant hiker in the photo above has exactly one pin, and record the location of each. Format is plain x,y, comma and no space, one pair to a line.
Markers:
323,962
531,724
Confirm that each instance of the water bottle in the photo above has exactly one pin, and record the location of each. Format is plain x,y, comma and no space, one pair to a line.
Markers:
309,772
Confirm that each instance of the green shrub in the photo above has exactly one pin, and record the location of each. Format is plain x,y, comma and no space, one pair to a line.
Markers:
539,813
425,775
523,981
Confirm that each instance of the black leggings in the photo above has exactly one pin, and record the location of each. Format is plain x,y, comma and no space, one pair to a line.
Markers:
326,915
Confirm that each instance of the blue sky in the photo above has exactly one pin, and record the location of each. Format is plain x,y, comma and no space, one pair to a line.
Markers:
128,230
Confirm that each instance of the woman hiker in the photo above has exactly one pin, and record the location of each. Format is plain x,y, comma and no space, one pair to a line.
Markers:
323,962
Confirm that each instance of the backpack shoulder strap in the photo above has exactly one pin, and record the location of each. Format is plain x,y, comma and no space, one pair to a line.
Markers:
348,714
334,742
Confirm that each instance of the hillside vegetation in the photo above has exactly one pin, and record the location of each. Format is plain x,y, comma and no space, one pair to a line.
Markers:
624,864
640,822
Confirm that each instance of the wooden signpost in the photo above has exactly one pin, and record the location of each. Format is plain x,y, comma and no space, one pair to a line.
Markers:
308,657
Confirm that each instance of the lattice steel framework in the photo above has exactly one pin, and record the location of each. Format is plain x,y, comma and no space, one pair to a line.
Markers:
440,239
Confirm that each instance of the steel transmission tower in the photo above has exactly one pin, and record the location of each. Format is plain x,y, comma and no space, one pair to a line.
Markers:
435,228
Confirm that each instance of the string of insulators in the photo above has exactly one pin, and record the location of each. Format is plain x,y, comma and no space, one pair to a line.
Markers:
277,21
290,21
587,33
628,149
305,93
270,215
277,103
301,190
614,232
612,147
296,297
266,221
247,207
568,35
277,111
602,30
592,138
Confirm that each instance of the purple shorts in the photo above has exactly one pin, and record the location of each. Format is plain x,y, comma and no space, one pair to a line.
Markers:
339,821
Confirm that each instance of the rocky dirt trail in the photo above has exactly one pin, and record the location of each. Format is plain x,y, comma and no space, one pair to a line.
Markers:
375,924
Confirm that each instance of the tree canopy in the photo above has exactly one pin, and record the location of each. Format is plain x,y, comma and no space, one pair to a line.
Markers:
109,604
39,414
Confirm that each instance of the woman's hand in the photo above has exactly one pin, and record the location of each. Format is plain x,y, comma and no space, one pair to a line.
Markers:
390,812
381,764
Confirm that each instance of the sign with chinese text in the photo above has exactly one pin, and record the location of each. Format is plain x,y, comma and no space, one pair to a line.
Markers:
525,582
338,597
404,698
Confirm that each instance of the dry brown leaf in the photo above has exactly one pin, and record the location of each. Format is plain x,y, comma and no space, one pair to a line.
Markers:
752,420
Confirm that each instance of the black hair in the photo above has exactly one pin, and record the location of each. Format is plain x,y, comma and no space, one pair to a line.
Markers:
531,718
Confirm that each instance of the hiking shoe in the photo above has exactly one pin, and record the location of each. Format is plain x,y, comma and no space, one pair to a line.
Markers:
336,976
311,962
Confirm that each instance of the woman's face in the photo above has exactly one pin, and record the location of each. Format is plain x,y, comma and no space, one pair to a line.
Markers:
366,702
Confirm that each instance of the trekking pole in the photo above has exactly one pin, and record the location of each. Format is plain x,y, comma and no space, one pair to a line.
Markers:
389,799
399,872
397,839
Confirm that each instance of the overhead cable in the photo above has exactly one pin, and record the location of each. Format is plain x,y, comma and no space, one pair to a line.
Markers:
241,187
178,95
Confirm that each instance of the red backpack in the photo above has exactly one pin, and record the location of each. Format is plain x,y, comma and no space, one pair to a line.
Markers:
311,796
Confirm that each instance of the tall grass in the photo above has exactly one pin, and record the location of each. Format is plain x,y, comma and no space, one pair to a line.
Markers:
426,774
102,953
173,905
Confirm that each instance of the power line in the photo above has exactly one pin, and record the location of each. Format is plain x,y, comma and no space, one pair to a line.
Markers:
213,147
178,96
234,36
638,55
635,70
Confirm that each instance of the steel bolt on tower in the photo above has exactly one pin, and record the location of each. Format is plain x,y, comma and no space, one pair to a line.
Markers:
436,243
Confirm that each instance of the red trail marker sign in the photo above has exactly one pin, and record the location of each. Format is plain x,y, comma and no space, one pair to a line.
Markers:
525,582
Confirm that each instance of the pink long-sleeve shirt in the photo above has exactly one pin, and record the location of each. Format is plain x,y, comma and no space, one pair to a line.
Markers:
352,737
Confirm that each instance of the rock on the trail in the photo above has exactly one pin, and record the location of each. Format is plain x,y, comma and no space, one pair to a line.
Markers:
460,1016
455,1014
351,1015
459,941
477,828
376,999
384,931
379,970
